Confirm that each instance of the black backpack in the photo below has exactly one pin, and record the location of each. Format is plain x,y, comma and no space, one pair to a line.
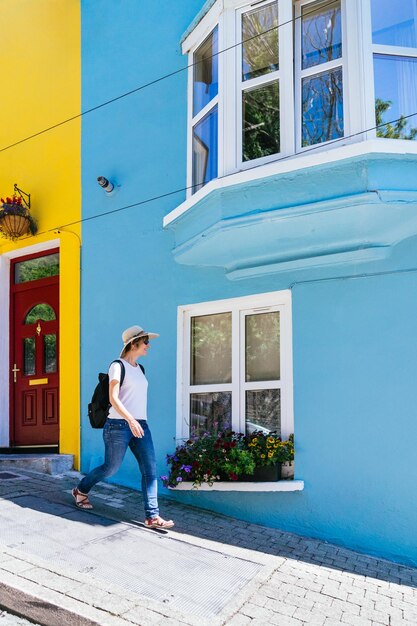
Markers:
98,409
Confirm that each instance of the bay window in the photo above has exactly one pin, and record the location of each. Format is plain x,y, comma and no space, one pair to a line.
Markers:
236,370
272,79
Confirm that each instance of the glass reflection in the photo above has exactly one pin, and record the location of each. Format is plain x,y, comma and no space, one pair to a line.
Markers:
49,353
205,139
394,23
263,411
42,312
262,353
29,356
206,83
260,51
260,133
395,96
33,269
210,413
321,39
322,102
211,349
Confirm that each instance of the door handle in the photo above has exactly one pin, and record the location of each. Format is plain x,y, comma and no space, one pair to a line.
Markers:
15,370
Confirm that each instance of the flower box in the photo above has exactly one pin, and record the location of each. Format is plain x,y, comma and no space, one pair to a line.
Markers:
15,218
229,457
263,474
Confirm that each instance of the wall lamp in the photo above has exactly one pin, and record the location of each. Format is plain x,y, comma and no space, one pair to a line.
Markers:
105,184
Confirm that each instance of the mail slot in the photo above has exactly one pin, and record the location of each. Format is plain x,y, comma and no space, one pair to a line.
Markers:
38,381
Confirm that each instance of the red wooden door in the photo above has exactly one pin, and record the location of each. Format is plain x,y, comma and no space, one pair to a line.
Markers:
34,362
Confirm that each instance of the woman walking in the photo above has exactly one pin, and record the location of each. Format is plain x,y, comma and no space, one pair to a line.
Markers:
127,426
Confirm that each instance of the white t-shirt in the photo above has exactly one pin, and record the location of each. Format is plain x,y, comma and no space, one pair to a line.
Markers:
133,393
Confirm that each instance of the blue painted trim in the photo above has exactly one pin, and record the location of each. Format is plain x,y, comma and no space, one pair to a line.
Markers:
203,11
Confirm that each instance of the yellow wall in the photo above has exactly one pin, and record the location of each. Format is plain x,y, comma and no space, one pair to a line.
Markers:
40,87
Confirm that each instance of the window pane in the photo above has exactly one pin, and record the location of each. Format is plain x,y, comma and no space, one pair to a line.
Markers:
49,353
260,51
210,412
322,107
395,96
205,72
40,312
321,34
394,23
29,356
205,150
263,410
211,349
262,352
33,269
260,133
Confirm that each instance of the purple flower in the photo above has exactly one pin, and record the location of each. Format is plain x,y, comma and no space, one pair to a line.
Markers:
186,468
179,479
163,477
176,458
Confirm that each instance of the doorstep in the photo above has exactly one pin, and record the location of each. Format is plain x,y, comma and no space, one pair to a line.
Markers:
45,463
279,485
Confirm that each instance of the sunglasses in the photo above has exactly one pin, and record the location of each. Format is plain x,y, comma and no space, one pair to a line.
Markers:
146,341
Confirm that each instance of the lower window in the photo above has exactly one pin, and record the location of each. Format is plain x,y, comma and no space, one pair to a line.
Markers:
236,366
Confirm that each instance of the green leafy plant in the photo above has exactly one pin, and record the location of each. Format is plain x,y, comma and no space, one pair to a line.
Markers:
268,449
225,456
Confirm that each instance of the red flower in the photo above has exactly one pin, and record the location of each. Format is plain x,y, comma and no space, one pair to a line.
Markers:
232,476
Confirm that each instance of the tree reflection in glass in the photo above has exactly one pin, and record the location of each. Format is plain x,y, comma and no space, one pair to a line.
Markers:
211,349
322,106
210,413
261,133
263,410
321,34
260,41
262,354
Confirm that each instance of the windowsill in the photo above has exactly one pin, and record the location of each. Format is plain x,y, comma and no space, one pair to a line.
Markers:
279,485
291,164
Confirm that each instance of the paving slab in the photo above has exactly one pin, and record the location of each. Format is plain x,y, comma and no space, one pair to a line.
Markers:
210,570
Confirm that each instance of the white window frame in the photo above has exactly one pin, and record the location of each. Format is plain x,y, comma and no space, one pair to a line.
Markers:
383,50
358,90
301,74
260,303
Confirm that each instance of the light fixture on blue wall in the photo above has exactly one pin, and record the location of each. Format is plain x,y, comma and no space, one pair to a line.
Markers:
105,184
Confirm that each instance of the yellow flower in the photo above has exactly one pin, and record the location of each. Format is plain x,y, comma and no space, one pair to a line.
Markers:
263,456
270,440
254,440
270,454
276,445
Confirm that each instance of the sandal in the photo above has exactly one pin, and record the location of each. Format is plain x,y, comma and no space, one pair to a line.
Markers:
81,499
158,522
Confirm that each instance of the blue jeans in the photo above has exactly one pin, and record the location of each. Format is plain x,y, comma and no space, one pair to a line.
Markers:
117,437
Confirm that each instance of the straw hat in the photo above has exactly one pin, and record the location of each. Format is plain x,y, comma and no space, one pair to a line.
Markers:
134,332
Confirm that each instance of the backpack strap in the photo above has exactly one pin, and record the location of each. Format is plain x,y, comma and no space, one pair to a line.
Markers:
123,371
141,367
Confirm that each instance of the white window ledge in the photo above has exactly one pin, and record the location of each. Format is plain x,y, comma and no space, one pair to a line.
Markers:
279,485
296,162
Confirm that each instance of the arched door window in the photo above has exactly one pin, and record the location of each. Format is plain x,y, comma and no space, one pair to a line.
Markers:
42,312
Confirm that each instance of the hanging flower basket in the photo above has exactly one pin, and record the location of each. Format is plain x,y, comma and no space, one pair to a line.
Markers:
15,219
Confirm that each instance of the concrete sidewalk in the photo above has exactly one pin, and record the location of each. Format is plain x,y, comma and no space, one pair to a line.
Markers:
105,568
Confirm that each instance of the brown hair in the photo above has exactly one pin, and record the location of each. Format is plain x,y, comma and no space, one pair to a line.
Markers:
135,343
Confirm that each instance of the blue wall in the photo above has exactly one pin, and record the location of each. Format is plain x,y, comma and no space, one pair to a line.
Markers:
354,339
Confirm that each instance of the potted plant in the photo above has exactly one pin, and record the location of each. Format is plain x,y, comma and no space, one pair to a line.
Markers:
15,218
228,456
269,453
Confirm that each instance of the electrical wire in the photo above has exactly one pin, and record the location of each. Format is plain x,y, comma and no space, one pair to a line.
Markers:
150,83
185,189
